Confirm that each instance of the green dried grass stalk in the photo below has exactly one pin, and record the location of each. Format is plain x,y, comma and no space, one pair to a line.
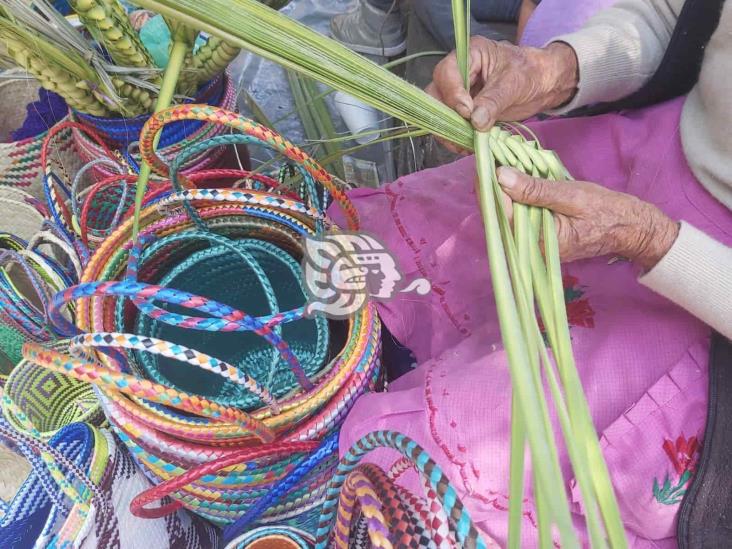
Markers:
183,37
316,121
254,27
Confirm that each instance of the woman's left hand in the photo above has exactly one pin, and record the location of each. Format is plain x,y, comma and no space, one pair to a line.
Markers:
594,221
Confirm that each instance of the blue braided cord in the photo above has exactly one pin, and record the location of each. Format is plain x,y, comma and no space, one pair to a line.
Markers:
132,162
132,289
279,490
49,202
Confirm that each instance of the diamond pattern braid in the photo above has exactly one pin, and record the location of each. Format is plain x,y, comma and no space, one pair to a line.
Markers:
175,351
216,115
96,374
465,531
227,319
403,530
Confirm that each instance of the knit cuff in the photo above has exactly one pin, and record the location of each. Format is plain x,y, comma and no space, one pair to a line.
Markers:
695,274
608,71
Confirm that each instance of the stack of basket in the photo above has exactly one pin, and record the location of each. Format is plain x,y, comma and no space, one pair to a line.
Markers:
195,334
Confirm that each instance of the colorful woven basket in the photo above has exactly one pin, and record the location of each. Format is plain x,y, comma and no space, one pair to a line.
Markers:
78,496
195,334
273,537
20,164
47,401
122,134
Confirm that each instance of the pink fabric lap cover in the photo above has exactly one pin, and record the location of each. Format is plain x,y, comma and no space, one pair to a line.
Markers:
642,359
553,18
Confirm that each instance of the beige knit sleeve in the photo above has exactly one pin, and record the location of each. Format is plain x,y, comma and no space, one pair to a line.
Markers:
696,274
620,48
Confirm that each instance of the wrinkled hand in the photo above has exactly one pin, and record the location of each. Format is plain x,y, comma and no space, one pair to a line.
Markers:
594,221
507,82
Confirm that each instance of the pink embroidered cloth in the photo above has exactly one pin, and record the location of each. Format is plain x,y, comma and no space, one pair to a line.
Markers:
642,359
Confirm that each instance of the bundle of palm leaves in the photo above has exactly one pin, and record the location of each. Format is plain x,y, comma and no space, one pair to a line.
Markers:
104,68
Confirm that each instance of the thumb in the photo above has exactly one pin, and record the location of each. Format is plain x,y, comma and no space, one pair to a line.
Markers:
558,196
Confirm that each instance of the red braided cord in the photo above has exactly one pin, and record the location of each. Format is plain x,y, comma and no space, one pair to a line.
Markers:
137,506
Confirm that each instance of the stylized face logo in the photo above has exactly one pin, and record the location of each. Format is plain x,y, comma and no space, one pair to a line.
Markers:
343,270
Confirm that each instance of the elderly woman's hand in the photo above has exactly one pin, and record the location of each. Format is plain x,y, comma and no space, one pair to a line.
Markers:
507,82
594,221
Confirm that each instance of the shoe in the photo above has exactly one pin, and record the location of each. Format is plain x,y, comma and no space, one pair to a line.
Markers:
370,30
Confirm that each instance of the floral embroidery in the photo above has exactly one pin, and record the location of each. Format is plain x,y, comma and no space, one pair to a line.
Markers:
683,455
579,311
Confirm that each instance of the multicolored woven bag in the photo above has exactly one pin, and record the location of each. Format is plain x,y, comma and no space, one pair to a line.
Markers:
196,336
39,403
122,134
20,165
78,496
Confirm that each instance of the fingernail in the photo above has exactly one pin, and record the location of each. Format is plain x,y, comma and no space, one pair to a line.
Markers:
463,109
481,118
507,177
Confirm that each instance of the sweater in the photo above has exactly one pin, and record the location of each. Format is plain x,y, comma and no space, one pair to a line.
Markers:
618,50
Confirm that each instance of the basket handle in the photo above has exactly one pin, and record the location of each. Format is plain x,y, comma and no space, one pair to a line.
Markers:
53,459
237,122
51,180
48,237
175,351
225,318
327,448
177,179
137,506
96,374
466,532
75,191
358,488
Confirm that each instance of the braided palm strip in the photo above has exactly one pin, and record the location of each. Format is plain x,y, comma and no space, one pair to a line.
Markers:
400,517
232,120
512,149
174,351
301,538
125,383
466,531
357,488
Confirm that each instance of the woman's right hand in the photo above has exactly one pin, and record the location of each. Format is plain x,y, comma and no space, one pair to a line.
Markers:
508,83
